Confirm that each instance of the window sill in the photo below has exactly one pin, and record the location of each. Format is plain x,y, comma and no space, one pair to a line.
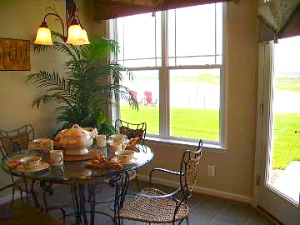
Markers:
184,144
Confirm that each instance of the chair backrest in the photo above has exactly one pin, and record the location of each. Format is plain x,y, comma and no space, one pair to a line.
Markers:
16,140
189,169
132,130
134,95
148,97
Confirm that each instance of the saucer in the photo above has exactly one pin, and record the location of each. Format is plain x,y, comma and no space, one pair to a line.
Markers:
131,161
36,143
42,166
126,141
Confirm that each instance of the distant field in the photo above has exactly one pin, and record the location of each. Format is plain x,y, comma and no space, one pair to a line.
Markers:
288,83
204,123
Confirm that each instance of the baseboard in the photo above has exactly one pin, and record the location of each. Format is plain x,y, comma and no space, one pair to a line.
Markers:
201,190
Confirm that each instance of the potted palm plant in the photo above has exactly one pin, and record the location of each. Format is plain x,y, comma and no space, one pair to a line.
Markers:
91,83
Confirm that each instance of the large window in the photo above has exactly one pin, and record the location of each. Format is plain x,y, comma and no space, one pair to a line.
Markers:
176,58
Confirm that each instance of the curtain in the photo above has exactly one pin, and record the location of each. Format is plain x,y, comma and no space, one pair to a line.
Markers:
110,9
280,18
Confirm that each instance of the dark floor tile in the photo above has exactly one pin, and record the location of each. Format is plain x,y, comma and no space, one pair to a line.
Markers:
241,214
216,222
209,207
196,219
205,210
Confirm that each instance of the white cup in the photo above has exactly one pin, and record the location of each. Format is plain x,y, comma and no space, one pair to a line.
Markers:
56,157
124,156
117,138
114,147
101,140
31,162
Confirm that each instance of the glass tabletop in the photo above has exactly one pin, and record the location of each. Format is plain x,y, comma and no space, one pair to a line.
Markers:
76,170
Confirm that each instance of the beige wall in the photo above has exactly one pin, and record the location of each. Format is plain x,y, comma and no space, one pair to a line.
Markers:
234,167
20,20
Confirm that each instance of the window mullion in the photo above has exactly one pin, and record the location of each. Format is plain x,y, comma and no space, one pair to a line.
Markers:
164,97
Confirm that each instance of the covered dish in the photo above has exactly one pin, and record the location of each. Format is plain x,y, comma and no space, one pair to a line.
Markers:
75,140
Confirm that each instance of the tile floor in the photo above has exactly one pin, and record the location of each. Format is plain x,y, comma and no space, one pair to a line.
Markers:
205,210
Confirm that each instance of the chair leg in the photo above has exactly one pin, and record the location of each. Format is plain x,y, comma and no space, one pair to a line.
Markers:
187,220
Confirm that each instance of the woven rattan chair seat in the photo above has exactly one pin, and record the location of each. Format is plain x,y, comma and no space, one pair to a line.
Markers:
153,210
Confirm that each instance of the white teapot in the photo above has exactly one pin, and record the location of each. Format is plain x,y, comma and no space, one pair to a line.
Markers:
75,140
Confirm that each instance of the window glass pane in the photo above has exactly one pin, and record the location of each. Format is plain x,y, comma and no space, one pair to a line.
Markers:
193,60
285,152
144,81
192,31
219,33
194,39
142,63
139,38
195,103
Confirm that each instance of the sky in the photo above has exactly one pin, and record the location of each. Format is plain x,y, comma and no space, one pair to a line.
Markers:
287,55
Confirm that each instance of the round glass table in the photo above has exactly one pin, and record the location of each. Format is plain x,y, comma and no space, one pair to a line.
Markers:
81,178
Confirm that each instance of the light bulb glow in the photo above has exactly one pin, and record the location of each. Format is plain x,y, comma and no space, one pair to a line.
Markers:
43,36
83,40
74,34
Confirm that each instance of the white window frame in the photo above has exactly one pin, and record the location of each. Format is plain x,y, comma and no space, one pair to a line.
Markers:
164,81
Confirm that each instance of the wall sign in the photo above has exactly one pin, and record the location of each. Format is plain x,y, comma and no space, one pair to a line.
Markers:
14,54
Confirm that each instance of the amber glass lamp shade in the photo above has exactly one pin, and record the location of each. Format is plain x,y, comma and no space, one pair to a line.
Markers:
83,39
43,35
74,32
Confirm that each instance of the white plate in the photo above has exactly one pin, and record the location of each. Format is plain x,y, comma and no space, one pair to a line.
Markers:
39,140
36,143
121,143
42,166
131,161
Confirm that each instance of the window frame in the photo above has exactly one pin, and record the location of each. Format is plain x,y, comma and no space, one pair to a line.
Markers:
164,88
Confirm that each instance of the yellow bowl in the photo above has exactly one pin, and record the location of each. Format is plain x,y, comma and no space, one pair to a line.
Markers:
124,155
31,162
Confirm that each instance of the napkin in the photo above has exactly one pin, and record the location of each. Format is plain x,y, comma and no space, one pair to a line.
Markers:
13,164
100,162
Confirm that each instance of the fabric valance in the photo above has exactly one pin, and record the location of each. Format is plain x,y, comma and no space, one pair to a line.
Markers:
280,18
110,9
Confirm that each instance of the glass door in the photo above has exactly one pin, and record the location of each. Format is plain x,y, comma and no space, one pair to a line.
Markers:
278,130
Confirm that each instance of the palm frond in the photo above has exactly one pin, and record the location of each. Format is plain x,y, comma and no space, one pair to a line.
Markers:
91,84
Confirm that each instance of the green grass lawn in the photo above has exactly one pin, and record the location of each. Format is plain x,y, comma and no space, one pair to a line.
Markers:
198,123
288,83
286,141
205,123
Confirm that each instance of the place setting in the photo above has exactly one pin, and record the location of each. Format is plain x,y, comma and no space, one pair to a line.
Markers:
28,164
118,156
122,149
40,157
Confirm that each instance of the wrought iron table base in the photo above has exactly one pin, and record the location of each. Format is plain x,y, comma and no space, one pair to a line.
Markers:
80,202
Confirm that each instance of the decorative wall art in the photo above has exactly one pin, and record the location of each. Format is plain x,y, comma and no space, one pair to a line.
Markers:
14,54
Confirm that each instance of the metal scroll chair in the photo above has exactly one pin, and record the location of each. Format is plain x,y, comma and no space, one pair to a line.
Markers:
132,130
136,132
16,140
17,212
13,141
153,205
